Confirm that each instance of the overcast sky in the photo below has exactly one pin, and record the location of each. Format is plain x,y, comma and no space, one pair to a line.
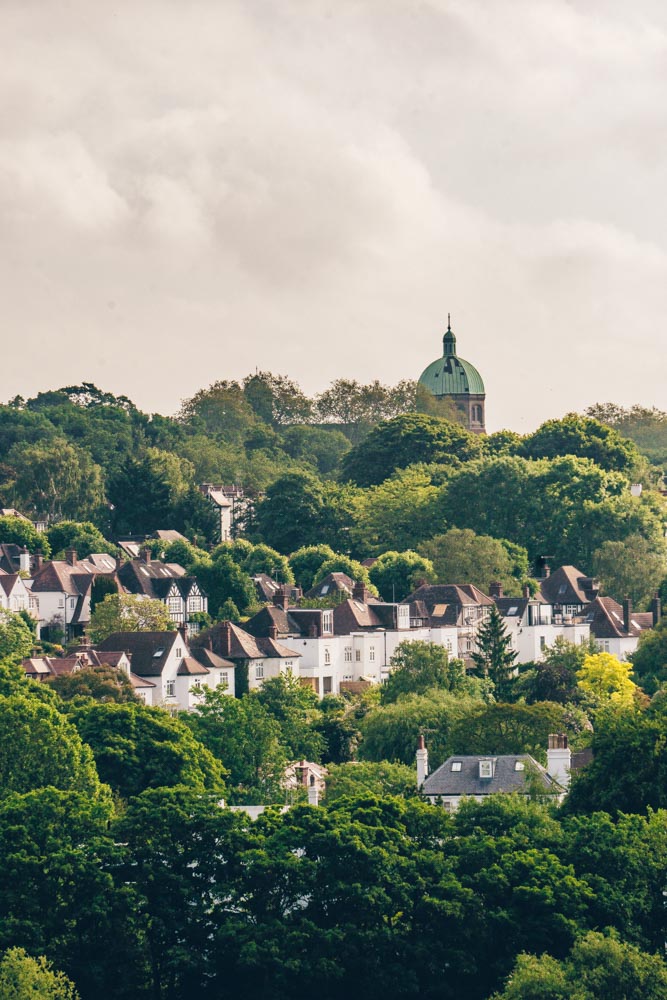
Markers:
190,189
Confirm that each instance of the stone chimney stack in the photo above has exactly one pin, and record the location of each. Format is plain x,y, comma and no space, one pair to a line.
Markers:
422,762
359,593
281,598
559,759
495,589
70,557
627,614
656,609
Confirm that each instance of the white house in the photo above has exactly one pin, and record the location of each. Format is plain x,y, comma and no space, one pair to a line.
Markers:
177,672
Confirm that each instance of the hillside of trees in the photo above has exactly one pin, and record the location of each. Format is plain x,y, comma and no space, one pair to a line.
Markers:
361,469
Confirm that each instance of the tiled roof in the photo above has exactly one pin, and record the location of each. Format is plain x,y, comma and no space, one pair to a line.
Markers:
605,616
333,583
465,780
149,650
446,603
568,585
210,659
232,642
190,667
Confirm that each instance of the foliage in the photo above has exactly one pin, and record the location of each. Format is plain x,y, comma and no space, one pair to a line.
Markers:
649,660
629,767
24,533
631,568
195,517
554,678
494,657
608,679
55,478
344,564
372,779
320,447
306,561
647,427
510,729
128,613
84,537
461,556
418,666
405,440
97,683
294,707
397,574
141,496
244,735
25,978
301,509
599,967
396,514
40,747
16,638
584,437
358,407
263,559
137,747
223,580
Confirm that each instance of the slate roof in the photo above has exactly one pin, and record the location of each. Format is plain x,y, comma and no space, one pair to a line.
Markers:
446,603
333,583
568,585
605,616
506,776
149,650
232,642
356,616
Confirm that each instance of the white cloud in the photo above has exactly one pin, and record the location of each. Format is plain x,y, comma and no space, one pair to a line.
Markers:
193,190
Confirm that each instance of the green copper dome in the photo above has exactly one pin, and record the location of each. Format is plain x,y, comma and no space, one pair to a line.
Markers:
451,375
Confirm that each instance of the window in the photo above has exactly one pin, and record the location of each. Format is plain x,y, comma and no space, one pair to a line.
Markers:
224,677
357,655
448,645
259,671
486,769
543,642
170,689
603,645
468,645
327,656
371,653
327,621
196,682
348,654
456,765
179,651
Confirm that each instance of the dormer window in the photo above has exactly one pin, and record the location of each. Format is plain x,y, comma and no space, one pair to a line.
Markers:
456,765
486,768
519,765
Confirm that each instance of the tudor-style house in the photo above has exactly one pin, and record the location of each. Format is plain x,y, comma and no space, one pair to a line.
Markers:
168,583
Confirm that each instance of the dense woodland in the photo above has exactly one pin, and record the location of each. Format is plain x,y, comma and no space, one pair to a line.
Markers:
124,877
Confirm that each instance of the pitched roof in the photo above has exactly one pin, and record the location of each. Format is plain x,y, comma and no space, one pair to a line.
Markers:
568,585
59,576
190,667
154,579
210,659
232,642
506,775
605,616
333,583
352,615
446,603
149,650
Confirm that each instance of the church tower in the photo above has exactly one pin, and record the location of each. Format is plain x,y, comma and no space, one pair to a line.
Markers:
450,377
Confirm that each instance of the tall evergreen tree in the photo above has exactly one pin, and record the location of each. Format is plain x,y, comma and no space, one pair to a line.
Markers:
495,657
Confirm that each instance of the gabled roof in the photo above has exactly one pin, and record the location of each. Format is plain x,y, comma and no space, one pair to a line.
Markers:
568,585
210,659
60,577
8,581
507,777
149,650
190,667
333,583
169,535
155,579
605,617
446,603
233,643
352,616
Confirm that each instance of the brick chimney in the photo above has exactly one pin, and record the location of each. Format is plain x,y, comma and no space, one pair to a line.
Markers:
359,592
495,589
273,632
281,598
656,609
226,638
145,555
559,759
627,614
546,571
422,761
526,592
39,562
70,557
